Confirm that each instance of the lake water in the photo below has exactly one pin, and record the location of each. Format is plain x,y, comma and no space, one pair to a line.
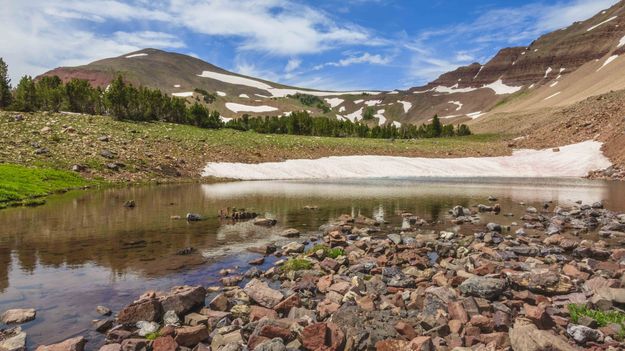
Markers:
84,249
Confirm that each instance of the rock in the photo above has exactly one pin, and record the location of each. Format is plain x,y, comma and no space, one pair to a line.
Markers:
524,336
582,334
219,303
265,222
111,347
102,326
182,299
494,227
421,343
171,318
257,261
73,344
193,217
391,345
134,344
290,233
274,344
488,288
143,310
164,343
542,281
13,339
191,336
130,204
225,339
104,138
104,311
194,319
322,336
18,316
293,247
146,328
395,238
107,154
262,294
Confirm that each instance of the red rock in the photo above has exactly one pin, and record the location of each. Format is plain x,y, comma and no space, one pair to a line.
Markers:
327,307
366,303
256,340
257,312
191,336
276,331
330,264
164,343
340,287
456,311
134,344
481,321
322,336
455,326
391,345
182,299
421,343
405,330
500,339
538,315
260,292
285,305
574,273
149,310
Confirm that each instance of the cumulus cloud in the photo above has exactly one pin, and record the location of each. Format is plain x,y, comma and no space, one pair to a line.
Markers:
292,65
374,59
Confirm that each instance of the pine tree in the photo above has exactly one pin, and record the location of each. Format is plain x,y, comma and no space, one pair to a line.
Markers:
5,85
437,127
25,95
116,98
49,93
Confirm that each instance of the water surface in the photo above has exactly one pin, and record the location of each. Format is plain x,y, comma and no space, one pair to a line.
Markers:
83,249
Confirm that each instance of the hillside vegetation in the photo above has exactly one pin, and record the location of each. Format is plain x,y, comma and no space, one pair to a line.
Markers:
101,146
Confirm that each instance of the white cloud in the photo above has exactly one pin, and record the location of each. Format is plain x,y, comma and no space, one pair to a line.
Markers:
374,59
292,65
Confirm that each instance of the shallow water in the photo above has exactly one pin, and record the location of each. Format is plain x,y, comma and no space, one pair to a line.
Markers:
83,249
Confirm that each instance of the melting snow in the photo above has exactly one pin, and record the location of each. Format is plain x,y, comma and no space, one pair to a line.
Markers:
478,72
407,105
380,116
621,42
554,95
245,96
334,102
221,93
234,107
183,94
500,88
275,92
356,115
474,115
342,109
604,22
393,92
457,103
547,72
225,119
610,59
396,124
553,84
358,101
452,89
373,102
176,85
574,160
137,55
263,96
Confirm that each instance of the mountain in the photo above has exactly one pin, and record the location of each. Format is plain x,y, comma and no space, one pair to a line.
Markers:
557,69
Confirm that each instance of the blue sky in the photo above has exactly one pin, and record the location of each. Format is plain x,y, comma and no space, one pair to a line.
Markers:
325,44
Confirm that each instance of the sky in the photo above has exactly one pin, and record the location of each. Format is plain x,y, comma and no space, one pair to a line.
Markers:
323,44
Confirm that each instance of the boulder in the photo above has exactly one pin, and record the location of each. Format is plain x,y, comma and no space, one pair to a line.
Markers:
290,233
322,336
143,310
542,281
73,344
164,343
191,336
182,299
582,334
13,339
18,316
488,288
262,294
275,344
525,336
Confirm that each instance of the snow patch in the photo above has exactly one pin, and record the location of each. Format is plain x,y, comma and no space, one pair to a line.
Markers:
500,88
176,85
234,107
137,55
396,124
275,92
263,96
392,92
342,109
547,72
551,96
183,94
407,105
531,86
474,115
602,23
380,116
373,102
478,72
574,160
221,93
334,102
452,89
225,119
245,96
356,115
621,42
554,84
457,103
610,59
358,101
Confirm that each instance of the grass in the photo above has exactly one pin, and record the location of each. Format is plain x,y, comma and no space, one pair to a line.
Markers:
327,251
297,264
20,185
145,147
603,318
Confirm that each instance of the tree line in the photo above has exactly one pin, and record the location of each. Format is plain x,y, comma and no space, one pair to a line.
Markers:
123,101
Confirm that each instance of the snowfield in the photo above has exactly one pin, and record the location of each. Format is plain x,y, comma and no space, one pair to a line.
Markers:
275,92
183,94
457,103
501,89
234,107
334,102
354,116
602,23
574,160
221,93
407,105
137,55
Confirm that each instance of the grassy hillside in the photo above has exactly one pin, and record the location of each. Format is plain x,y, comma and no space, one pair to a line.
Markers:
26,185
152,151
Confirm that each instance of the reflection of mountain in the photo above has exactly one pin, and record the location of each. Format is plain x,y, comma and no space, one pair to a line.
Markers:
5,266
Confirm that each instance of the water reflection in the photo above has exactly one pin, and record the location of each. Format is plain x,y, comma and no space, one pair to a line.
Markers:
84,248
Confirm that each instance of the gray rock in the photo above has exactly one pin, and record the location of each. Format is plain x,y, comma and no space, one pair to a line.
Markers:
146,328
193,217
13,339
582,334
290,233
395,238
171,318
107,154
488,288
274,344
18,316
525,336
494,227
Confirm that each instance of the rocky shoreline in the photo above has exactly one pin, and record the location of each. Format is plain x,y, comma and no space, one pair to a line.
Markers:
551,281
